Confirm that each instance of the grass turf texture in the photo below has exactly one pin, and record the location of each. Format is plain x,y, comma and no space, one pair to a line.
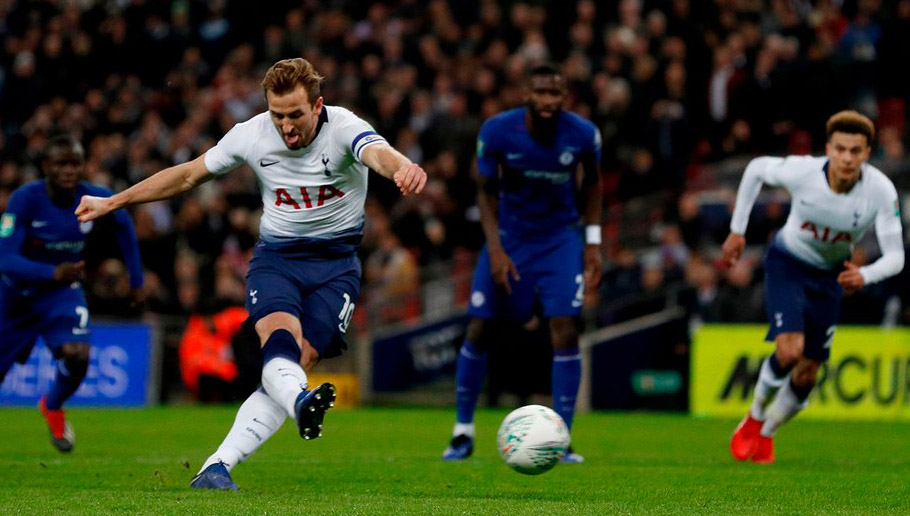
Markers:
387,461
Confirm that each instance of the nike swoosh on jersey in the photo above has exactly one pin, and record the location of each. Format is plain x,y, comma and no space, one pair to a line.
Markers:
39,223
514,155
264,163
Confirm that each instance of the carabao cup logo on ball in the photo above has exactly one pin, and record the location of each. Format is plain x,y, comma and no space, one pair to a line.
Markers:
532,439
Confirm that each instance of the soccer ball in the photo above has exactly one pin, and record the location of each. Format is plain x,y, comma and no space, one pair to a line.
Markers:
532,439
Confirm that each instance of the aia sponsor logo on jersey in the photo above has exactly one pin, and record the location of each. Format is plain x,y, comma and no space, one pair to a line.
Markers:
825,234
303,198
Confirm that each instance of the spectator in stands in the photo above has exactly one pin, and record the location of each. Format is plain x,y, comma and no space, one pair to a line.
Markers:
739,298
156,85
393,272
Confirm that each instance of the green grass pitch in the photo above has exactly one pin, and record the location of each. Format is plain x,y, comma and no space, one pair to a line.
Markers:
387,462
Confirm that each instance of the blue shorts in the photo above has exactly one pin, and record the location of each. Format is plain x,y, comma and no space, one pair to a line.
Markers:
58,316
551,273
801,298
321,292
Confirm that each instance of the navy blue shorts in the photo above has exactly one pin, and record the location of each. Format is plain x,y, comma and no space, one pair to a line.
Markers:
551,273
59,316
321,292
801,298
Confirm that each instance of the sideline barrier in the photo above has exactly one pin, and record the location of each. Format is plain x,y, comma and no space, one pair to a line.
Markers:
634,364
410,356
867,377
122,370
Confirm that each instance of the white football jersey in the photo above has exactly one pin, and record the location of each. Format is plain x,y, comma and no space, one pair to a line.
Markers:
317,191
824,225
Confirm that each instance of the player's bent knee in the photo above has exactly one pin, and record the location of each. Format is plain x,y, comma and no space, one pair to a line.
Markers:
790,348
75,351
75,358
278,321
309,357
563,332
475,333
806,373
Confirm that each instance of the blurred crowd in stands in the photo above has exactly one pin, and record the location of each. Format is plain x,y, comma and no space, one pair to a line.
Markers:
683,91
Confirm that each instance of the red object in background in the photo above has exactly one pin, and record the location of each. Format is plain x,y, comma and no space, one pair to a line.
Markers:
800,143
205,347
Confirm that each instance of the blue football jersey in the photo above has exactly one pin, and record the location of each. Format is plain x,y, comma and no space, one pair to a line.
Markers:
537,182
36,235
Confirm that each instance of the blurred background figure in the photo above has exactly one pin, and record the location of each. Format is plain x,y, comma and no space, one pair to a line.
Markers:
684,93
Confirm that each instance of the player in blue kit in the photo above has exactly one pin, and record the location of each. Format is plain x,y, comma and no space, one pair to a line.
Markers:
312,162
836,198
528,159
41,267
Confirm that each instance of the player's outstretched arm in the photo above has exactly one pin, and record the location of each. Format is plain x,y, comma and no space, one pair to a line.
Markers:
165,184
384,159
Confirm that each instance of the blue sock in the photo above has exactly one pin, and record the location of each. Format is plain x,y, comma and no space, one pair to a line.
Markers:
470,371
281,343
66,383
776,367
566,379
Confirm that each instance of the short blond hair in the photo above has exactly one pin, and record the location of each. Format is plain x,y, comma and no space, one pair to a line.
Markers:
851,122
285,75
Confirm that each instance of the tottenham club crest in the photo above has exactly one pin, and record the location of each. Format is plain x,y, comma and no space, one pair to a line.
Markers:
325,166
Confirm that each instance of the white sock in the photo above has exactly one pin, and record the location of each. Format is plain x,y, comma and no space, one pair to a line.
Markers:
258,418
283,380
765,388
463,429
781,410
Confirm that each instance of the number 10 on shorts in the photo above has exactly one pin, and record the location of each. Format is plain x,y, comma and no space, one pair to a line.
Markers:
346,313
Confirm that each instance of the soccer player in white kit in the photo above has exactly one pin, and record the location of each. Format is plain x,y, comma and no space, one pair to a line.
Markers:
304,278
835,199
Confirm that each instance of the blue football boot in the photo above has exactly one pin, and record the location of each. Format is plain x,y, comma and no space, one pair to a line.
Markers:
461,447
215,476
310,408
571,457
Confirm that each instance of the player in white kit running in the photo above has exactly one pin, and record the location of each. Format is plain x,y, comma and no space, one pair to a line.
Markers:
835,199
312,162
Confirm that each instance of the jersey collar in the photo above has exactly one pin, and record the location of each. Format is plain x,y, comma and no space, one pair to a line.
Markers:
862,170
323,119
